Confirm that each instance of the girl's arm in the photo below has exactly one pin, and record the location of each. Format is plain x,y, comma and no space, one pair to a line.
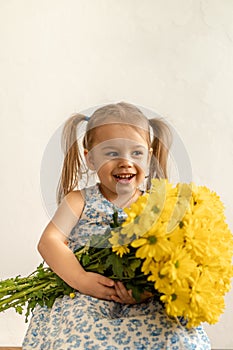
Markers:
61,259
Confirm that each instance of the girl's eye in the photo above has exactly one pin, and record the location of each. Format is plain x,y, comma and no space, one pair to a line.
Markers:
137,153
111,154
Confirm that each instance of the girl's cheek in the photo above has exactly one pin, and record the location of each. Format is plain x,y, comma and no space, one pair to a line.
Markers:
100,162
143,164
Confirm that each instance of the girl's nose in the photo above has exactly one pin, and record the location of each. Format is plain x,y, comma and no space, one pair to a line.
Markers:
125,163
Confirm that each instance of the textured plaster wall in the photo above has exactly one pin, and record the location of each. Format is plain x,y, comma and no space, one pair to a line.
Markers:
58,57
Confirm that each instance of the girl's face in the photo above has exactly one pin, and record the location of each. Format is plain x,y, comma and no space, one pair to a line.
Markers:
120,156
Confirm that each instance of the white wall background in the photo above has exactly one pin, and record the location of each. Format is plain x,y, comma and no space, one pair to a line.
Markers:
58,57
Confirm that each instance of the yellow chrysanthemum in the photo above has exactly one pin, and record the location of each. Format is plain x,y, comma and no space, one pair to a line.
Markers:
182,203
176,300
205,235
132,227
217,271
119,243
177,236
205,304
146,210
147,265
197,237
135,210
179,266
162,282
141,216
202,195
153,245
121,250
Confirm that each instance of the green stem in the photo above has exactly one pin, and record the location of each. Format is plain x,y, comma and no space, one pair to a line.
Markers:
22,294
79,253
8,306
26,283
92,268
96,256
46,270
12,282
16,287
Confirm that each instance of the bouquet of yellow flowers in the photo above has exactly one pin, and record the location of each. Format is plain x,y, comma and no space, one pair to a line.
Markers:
185,246
175,243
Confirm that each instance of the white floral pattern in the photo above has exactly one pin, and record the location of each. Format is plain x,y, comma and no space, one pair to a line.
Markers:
92,324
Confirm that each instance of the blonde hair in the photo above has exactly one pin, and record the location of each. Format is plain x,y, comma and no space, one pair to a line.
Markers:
74,165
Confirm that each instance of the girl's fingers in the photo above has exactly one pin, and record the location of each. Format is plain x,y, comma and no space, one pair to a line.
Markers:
124,296
121,291
105,281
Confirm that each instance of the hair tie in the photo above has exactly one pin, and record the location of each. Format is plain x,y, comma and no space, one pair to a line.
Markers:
86,118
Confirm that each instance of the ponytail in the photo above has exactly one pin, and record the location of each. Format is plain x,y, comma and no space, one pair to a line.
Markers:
71,169
160,144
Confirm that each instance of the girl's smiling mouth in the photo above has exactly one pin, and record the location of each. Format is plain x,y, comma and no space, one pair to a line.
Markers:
124,178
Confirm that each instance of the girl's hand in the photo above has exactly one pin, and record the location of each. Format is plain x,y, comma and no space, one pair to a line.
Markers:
97,286
124,296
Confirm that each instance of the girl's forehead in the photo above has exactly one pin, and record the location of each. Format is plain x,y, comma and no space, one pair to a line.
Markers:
120,144
119,133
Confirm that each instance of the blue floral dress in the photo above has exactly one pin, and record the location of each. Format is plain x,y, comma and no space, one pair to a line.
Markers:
92,324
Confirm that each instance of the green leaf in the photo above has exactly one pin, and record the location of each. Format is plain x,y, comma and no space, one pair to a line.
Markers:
40,302
49,303
39,294
32,304
59,281
116,263
41,271
85,260
136,290
19,309
129,273
134,264
115,222
97,267
67,290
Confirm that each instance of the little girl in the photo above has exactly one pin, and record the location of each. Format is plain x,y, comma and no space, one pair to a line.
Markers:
125,150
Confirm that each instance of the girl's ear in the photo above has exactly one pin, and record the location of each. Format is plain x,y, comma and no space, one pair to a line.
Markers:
89,160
